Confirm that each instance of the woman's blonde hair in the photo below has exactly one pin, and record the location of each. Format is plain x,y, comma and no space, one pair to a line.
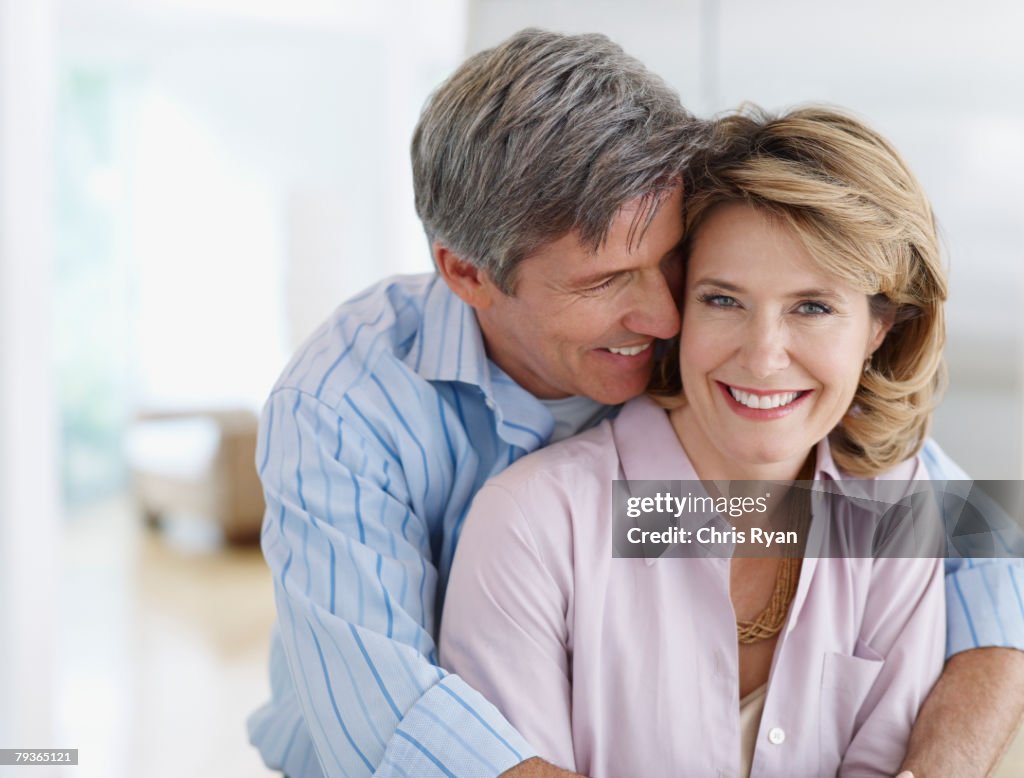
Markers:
853,202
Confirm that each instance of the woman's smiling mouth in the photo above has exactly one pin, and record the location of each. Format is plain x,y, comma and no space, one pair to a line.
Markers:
763,405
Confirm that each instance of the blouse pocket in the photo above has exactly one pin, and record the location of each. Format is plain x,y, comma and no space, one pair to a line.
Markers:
845,683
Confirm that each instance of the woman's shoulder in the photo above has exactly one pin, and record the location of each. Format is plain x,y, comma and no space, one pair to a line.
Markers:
564,466
890,514
639,440
549,496
910,469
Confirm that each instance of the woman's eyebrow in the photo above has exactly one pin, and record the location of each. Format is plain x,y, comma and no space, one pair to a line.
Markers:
820,292
811,292
719,283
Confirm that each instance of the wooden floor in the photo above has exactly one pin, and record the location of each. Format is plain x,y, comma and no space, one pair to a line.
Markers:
1013,763
163,651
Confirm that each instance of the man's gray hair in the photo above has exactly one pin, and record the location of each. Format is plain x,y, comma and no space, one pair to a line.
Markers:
542,135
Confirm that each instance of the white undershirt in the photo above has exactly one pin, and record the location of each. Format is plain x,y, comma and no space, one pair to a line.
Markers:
574,414
751,708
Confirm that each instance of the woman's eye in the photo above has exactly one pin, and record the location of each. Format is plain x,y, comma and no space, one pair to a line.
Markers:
718,300
811,308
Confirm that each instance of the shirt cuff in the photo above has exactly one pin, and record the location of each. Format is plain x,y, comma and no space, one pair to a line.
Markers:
984,604
453,731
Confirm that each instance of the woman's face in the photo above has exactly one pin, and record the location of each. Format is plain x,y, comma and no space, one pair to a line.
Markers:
772,348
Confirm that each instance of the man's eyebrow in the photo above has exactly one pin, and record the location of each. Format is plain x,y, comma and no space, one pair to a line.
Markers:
593,279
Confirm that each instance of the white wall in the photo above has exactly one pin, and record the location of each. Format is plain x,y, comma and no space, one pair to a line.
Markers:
942,79
264,169
29,539
276,117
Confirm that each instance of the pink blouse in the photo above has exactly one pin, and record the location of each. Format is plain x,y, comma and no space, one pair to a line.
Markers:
629,667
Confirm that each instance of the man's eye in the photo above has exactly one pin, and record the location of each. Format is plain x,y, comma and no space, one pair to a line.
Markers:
606,284
718,300
812,308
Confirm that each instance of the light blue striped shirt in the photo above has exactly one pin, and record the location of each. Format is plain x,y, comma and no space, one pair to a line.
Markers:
372,445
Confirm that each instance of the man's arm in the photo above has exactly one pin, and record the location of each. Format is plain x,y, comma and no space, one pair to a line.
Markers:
974,710
354,582
970,717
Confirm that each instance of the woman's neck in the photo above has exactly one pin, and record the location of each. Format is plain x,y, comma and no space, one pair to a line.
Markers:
711,464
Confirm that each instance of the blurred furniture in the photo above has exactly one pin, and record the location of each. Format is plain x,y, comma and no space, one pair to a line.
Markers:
198,463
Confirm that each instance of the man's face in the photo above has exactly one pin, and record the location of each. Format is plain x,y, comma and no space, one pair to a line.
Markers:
582,323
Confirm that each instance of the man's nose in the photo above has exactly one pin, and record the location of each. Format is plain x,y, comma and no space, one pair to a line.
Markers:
653,309
765,350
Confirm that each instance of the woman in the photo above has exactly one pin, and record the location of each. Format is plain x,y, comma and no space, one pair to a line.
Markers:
810,347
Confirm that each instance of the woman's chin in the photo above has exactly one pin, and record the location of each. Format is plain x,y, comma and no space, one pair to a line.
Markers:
776,462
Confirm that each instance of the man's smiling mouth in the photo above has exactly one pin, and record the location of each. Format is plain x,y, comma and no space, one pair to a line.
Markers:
629,351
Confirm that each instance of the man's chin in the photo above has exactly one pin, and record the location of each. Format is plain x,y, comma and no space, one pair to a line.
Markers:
618,395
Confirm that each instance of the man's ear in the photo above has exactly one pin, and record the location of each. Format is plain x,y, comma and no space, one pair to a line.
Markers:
469,282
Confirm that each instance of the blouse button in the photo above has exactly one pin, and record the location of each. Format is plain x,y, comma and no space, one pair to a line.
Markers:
776,736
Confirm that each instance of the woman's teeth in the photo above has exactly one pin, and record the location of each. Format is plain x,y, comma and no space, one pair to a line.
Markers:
762,401
630,351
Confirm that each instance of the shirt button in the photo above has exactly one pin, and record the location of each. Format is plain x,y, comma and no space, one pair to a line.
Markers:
776,736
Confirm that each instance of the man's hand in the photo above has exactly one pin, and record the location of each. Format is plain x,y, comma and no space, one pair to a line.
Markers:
970,717
537,768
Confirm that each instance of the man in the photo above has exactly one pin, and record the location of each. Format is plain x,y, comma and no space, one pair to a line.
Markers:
547,178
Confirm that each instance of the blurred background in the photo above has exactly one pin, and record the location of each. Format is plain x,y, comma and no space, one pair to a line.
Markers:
188,187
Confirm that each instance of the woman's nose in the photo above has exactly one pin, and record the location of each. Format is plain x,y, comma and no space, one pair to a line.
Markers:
765,349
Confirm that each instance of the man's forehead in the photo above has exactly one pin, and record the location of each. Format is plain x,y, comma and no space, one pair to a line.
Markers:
638,237
569,271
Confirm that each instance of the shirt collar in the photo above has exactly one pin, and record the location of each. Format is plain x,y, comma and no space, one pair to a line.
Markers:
825,468
449,346
648,446
649,449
